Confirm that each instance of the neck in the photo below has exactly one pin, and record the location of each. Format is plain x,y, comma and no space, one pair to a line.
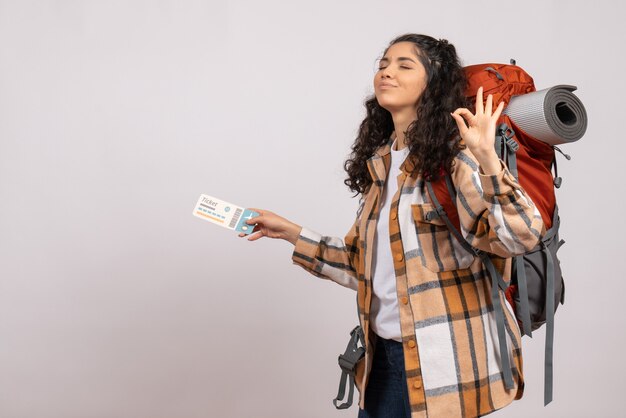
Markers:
401,121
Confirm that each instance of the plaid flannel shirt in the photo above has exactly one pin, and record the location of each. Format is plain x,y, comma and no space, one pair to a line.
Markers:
447,320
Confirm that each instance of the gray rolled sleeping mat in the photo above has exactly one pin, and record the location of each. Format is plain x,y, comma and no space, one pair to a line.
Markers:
554,115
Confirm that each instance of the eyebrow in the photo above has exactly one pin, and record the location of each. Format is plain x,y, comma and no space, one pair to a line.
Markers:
399,59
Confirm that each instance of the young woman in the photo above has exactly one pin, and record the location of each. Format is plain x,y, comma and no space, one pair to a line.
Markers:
424,302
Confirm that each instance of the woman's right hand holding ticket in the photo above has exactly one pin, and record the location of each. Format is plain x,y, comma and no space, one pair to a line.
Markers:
271,225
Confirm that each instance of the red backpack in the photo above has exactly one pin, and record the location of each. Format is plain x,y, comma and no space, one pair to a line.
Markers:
537,273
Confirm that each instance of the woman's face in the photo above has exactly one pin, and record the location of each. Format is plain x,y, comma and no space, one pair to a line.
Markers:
400,79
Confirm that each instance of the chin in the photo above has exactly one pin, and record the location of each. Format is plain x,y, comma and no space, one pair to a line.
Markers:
388,106
385,104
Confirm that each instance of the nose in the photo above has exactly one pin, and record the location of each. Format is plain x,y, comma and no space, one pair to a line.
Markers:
385,73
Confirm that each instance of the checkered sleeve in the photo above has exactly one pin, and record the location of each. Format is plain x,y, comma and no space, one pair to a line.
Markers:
329,257
496,214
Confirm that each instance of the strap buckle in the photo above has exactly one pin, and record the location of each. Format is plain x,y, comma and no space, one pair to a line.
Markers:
348,360
507,133
438,212
512,144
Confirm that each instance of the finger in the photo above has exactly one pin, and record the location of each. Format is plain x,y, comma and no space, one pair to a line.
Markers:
498,111
255,236
466,114
489,105
256,228
241,235
254,220
460,123
479,101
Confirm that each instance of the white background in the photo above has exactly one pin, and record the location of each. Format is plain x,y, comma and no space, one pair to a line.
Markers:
116,115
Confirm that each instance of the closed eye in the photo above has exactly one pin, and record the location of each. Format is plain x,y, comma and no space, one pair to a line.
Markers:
402,66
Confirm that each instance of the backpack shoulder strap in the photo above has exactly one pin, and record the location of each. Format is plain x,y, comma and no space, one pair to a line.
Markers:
443,196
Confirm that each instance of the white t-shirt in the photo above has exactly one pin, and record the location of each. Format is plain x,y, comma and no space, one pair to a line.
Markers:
385,316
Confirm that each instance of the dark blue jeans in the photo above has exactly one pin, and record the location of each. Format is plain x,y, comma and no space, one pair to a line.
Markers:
386,394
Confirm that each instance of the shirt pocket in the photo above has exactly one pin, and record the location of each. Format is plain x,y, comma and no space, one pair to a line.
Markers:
439,248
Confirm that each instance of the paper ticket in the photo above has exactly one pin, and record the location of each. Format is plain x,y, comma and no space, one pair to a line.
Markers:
224,214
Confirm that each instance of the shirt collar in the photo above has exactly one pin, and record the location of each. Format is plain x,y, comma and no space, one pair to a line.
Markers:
409,163
385,149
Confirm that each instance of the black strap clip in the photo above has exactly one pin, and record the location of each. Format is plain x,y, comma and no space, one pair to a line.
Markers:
349,359
347,362
438,212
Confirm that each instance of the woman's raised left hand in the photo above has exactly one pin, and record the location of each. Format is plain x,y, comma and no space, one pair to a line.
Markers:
479,131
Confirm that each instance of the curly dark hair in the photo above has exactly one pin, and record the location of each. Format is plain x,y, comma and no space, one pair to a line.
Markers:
433,138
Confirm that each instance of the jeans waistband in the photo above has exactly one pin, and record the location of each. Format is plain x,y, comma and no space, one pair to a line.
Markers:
388,342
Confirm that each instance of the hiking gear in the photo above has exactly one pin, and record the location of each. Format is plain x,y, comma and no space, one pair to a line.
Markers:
536,285
554,115
347,362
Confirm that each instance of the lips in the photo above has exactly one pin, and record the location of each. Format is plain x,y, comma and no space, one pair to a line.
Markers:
383,85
